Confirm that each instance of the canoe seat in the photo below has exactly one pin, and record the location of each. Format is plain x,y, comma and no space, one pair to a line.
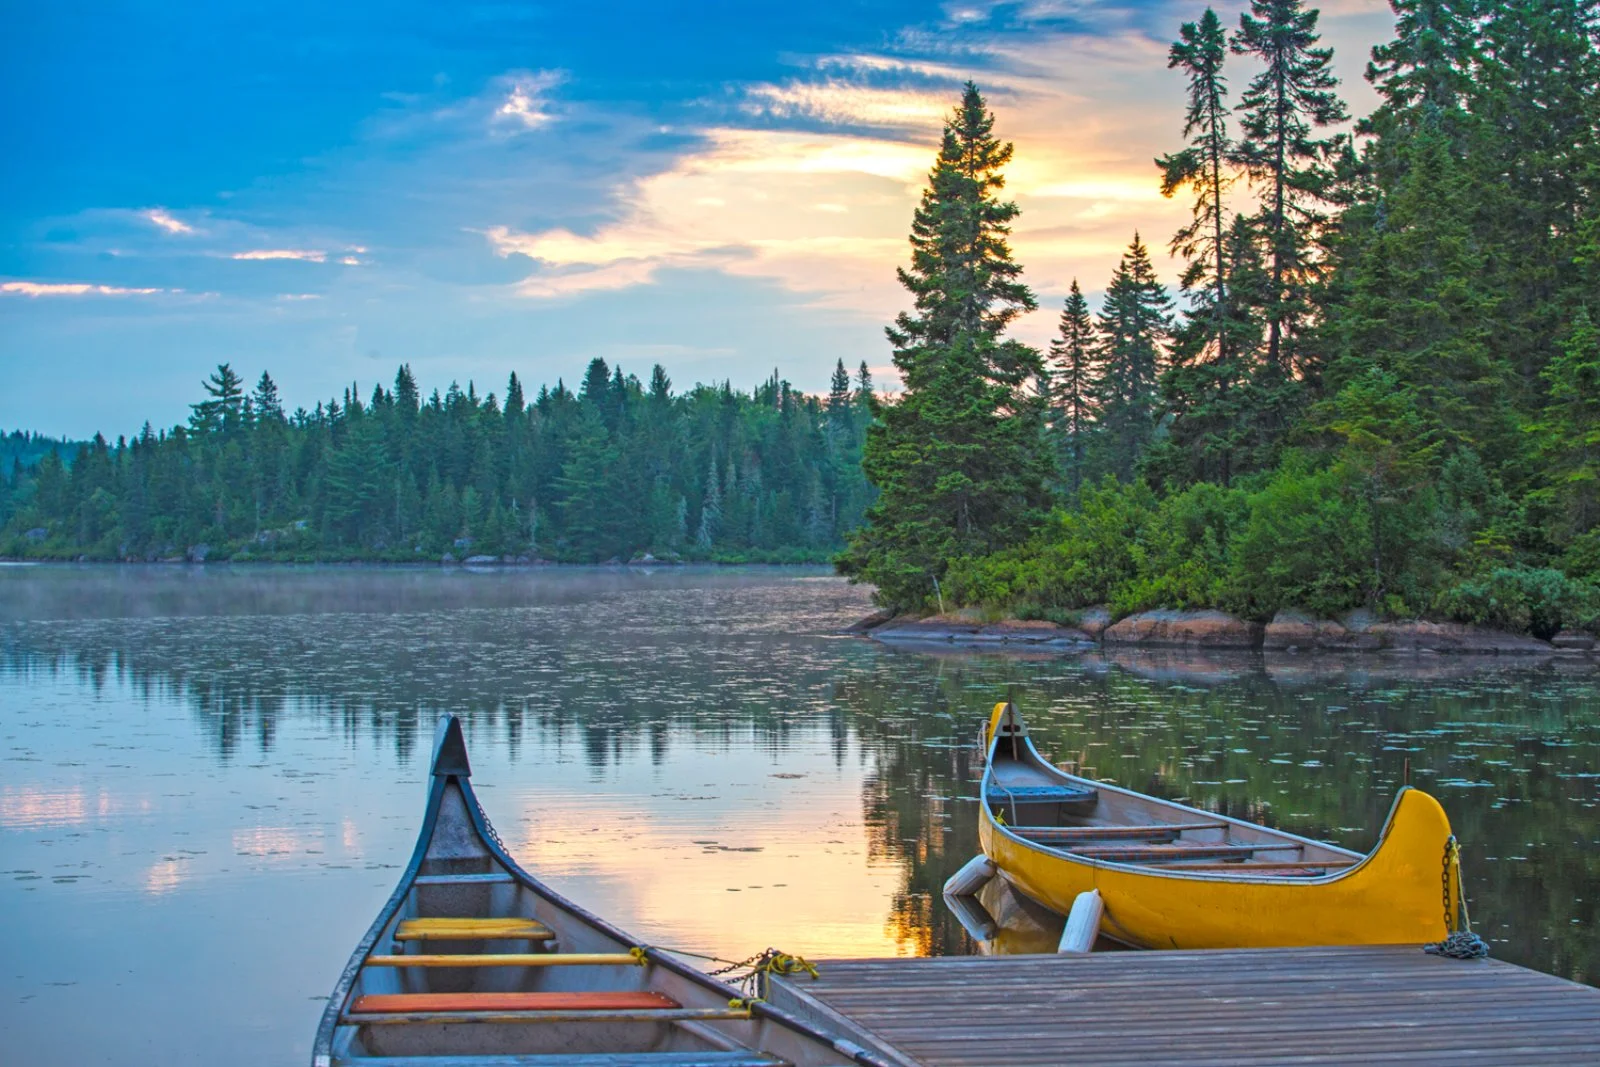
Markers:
1034,794
1161,853
453,929
491,878
567,1059
598,1000
509,959
1154,833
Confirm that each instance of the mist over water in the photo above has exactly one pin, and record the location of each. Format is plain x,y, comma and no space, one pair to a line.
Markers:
210,776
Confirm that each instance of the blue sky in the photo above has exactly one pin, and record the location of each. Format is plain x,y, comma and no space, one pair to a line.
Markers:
328,190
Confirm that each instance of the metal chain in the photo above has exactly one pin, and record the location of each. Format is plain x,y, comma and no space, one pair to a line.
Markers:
1460,943
488,826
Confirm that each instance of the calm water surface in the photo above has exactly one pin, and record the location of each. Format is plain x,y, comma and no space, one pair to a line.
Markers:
209,777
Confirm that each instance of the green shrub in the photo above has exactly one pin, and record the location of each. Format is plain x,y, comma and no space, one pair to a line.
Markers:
1304,545
1536,600
1078,559
1181,558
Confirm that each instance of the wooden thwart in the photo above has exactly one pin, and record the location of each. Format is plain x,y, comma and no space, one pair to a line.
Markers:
1111,832
468,929
508,959
1160,853
582,1059
1271,865
463,879
599,1000
639,1015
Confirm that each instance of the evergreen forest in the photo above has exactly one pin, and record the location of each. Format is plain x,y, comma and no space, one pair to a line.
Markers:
1376,387
619,470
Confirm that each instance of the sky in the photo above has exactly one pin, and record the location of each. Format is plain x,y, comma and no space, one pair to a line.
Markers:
326,191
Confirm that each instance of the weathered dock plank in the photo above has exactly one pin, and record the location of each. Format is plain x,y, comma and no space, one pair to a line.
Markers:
1251,1007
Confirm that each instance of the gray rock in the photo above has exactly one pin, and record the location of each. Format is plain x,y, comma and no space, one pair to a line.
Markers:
1093,621
1573,640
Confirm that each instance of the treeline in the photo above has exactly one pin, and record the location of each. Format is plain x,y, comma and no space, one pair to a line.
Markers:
1380,386
615,471
23,448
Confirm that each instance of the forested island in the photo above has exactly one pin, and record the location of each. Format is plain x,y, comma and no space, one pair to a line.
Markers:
1377,388
620,469
1382,387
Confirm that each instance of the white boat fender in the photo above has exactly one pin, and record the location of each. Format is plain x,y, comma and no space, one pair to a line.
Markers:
970,878
973,917
1083,924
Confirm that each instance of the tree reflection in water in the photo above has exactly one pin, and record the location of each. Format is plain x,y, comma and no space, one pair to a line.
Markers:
641,667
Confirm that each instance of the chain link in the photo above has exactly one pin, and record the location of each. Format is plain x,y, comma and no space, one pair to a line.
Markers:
1460,942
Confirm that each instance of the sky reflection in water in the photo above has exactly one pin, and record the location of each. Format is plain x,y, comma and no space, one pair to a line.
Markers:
212,776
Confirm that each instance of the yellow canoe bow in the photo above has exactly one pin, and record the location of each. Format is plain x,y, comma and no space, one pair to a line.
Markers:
1173,876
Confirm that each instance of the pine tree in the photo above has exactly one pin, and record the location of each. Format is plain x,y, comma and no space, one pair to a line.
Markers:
1073,373
1200,388
514,401
710,510
838,403
265,400
1135,324
1570,429
959,459
1425,71
660,385
864,393
1200,51
1413,303
223,405
1281,109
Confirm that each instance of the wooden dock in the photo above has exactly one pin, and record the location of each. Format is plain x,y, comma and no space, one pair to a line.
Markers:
1248,1007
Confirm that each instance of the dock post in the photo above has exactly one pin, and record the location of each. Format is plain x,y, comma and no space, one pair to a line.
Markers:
1083,924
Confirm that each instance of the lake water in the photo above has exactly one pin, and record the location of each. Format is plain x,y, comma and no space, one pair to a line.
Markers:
209,777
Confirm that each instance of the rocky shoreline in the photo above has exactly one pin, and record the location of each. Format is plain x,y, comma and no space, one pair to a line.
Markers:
1288,632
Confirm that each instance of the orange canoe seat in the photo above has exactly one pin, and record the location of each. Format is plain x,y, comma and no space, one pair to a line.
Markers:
599,1000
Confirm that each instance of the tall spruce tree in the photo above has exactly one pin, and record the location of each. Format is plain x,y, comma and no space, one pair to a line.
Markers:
959,459
1073,369
1201,386
1424,74
1281,110
1135,326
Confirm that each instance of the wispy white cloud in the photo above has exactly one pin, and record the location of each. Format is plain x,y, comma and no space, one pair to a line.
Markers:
161,217
730,207
308,255
36,289
840,102
526,101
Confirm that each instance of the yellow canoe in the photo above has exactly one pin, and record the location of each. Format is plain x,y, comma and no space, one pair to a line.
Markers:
1172,876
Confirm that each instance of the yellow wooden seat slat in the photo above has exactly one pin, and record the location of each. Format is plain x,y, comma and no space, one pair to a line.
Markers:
463,929
508,959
